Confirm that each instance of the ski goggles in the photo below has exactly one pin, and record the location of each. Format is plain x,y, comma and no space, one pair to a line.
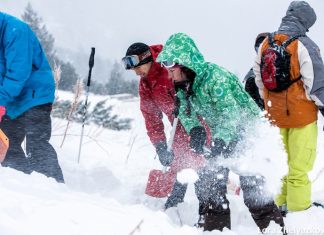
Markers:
168,64
171,64
132,61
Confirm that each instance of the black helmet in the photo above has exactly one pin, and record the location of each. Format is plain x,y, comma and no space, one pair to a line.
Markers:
137,54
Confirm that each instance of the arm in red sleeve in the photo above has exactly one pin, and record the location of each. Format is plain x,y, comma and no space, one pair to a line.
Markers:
152,114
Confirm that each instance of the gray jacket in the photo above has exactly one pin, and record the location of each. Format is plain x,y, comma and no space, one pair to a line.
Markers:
299,17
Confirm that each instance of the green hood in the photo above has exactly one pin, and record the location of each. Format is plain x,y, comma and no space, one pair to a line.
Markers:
218,95
181,49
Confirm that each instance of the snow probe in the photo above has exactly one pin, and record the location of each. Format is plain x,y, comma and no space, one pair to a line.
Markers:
91,63
160,182
4,145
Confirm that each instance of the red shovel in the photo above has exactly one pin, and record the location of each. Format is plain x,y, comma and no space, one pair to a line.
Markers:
160,182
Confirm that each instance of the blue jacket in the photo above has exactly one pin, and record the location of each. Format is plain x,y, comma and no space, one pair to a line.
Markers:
26,79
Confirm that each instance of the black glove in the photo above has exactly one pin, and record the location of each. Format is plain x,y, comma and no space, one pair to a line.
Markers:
219,147
166,157
197,139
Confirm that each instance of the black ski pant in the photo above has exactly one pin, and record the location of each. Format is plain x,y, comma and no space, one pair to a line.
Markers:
259,202
211,189
35,125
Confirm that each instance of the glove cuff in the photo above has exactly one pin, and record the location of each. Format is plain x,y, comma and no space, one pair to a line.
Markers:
166,157
161,147
197,139
2,110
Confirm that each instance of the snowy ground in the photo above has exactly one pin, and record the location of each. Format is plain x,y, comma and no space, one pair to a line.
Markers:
104,194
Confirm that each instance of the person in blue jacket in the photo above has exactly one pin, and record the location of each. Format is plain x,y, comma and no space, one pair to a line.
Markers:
27,89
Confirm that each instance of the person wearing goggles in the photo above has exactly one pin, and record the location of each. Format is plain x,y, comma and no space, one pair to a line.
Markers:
209,91
157,97
133,61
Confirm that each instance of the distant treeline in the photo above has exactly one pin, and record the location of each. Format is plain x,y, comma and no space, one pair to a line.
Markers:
116,83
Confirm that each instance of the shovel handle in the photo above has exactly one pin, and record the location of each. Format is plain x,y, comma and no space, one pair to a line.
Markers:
171,139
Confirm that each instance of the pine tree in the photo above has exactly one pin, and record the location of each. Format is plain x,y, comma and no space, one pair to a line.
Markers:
62,109
114,85
101,115
98,88
46,39
69,75
78,115
117,84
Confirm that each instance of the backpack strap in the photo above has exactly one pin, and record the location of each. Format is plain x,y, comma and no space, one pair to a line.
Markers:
271,39
286,43
296,80
291,39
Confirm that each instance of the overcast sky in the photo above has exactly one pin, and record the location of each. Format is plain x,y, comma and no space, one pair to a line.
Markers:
224,30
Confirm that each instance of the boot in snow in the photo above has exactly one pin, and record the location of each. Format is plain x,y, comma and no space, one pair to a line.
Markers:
201,222
217,221
283,210
263,215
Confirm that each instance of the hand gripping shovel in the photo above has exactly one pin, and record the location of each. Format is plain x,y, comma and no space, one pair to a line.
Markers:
160,182
4,145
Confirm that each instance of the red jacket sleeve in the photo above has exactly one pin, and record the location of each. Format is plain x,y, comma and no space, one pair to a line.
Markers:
152,114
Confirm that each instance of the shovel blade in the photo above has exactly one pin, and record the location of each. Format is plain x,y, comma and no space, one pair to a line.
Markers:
159,183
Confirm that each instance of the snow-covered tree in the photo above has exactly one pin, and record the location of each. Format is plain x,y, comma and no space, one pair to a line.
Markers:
36,23
68,75
117,84
100,114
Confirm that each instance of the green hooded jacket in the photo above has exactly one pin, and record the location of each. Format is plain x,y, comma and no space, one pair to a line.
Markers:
219,97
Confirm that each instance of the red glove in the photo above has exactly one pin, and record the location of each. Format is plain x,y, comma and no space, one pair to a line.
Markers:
2,112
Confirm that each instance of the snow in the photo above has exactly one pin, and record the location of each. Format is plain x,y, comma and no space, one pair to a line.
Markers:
104,194
187,176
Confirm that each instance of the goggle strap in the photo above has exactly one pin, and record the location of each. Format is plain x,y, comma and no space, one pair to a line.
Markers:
144,55
131,61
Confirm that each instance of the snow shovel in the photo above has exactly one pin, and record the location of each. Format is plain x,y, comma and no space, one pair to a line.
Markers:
160,182
4,145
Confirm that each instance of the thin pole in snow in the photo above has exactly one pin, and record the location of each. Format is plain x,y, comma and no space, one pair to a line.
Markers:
91,63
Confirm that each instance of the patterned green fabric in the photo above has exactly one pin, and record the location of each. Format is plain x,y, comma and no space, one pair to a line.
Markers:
218,98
